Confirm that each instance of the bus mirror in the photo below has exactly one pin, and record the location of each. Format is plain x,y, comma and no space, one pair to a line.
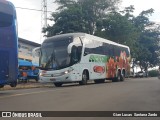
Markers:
69,49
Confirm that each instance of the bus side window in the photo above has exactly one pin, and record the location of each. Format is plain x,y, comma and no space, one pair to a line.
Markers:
111,50
78,43
105,51
75,55
89,45
79,51
116,51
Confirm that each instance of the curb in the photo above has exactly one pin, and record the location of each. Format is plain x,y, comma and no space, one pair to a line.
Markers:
26,86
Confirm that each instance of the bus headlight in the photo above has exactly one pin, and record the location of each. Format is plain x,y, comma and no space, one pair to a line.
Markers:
41,74
68,71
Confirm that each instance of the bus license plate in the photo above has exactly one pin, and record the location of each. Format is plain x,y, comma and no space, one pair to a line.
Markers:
52,79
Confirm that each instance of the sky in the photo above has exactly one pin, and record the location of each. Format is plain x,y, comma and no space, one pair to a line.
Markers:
29,22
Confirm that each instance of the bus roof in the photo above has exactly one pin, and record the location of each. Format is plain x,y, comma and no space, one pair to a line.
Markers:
72,35
7,7
7,2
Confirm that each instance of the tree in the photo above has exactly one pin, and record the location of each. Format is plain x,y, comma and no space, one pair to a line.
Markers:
118,27
148,42
139,33
96,9
78,16
66,21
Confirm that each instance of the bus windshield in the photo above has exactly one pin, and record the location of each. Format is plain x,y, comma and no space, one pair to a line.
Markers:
54,54
6,15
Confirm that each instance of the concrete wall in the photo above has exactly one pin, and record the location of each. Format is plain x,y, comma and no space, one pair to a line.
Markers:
25,48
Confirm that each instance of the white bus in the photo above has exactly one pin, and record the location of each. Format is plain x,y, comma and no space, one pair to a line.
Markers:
80,57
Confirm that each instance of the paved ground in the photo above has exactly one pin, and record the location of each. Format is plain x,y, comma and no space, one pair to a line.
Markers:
140,94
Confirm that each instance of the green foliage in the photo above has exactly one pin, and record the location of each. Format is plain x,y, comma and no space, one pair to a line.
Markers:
153,73
78,16
118,29
68,20
148,41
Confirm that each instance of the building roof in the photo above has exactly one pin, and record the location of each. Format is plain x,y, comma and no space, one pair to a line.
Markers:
29,42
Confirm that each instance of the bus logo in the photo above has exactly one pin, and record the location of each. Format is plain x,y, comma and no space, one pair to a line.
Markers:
99,69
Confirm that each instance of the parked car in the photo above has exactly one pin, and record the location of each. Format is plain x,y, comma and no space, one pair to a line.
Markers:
141,74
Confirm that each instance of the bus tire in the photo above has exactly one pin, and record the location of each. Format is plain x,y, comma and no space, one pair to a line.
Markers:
122,77
85,78
36,79
14,84
58,84
118,78
96,81
1,86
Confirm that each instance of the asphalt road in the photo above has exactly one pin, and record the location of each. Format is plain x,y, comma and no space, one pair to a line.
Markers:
140,94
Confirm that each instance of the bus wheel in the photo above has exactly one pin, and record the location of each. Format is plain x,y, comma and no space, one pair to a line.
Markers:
36,79
122,78
1,86
118,78
96,81
85,77
14,84
58,84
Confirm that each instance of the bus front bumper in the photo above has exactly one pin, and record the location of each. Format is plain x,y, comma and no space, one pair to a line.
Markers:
66,78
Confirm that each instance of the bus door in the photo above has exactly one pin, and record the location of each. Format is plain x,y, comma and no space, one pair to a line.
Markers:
4,65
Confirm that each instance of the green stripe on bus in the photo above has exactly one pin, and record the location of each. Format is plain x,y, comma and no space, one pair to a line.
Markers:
97,58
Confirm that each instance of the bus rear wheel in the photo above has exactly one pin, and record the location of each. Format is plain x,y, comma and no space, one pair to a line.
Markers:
122,76
85,77
118,78
36,79
14,84
58,84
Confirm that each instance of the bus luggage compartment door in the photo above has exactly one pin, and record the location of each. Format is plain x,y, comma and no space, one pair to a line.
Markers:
4,65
